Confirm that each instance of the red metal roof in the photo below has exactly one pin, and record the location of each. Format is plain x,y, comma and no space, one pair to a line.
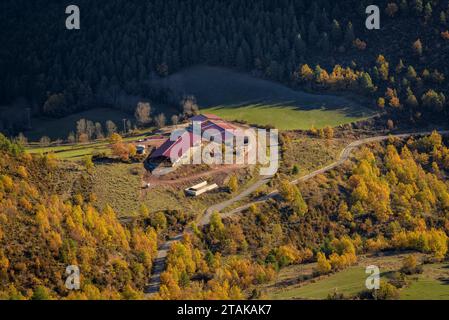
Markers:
185,142
208,121
204,117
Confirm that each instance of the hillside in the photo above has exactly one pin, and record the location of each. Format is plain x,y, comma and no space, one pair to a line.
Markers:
393,198
86,119
42,233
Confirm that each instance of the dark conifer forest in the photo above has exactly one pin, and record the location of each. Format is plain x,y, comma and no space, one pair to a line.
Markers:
123,47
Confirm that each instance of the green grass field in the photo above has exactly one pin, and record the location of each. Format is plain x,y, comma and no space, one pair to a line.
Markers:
349,282
236,96
432,284
79,151
426,289
73,152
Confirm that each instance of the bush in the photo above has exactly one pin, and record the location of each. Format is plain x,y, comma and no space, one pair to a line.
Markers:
398,279
410,266
387,291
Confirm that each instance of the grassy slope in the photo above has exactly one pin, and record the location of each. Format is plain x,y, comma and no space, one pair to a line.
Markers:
118,185
115,185
79,151
352,280
310,154
433,284
234,96
348,282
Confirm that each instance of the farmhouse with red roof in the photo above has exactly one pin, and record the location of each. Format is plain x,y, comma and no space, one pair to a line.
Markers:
179,151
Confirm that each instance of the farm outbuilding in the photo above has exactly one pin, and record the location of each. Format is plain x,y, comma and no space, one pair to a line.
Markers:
200,188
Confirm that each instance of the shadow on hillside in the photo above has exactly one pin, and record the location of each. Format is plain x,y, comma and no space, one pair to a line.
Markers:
350,109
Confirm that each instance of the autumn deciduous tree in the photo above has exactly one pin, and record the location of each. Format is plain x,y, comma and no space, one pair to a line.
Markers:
445,35
306,73
323,265
45,141
189,105
41,293
417,47
142,113
158,221
393,100
383,67
359,44
111,128
433,99
392,9
291,194
233,184
387,291
160,120
88,164
116,138
411,100
410,265
328,132
124,151
175,120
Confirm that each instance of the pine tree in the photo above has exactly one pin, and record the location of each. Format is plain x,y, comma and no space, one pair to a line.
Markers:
428,11
336,32
411,100
418,7
400,67
349,35
404,7
324,44
417,47
443,19
313,34
367,83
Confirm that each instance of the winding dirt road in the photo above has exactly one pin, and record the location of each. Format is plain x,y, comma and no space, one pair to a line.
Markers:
159,265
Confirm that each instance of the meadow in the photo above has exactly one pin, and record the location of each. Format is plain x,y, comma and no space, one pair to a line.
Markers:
431,284
238,96
78,151
120,186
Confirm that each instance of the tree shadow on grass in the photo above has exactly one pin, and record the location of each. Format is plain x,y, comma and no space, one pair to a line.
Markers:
349,110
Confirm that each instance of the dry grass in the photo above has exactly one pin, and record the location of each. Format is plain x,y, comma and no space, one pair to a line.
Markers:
310,154
116,184
120,186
